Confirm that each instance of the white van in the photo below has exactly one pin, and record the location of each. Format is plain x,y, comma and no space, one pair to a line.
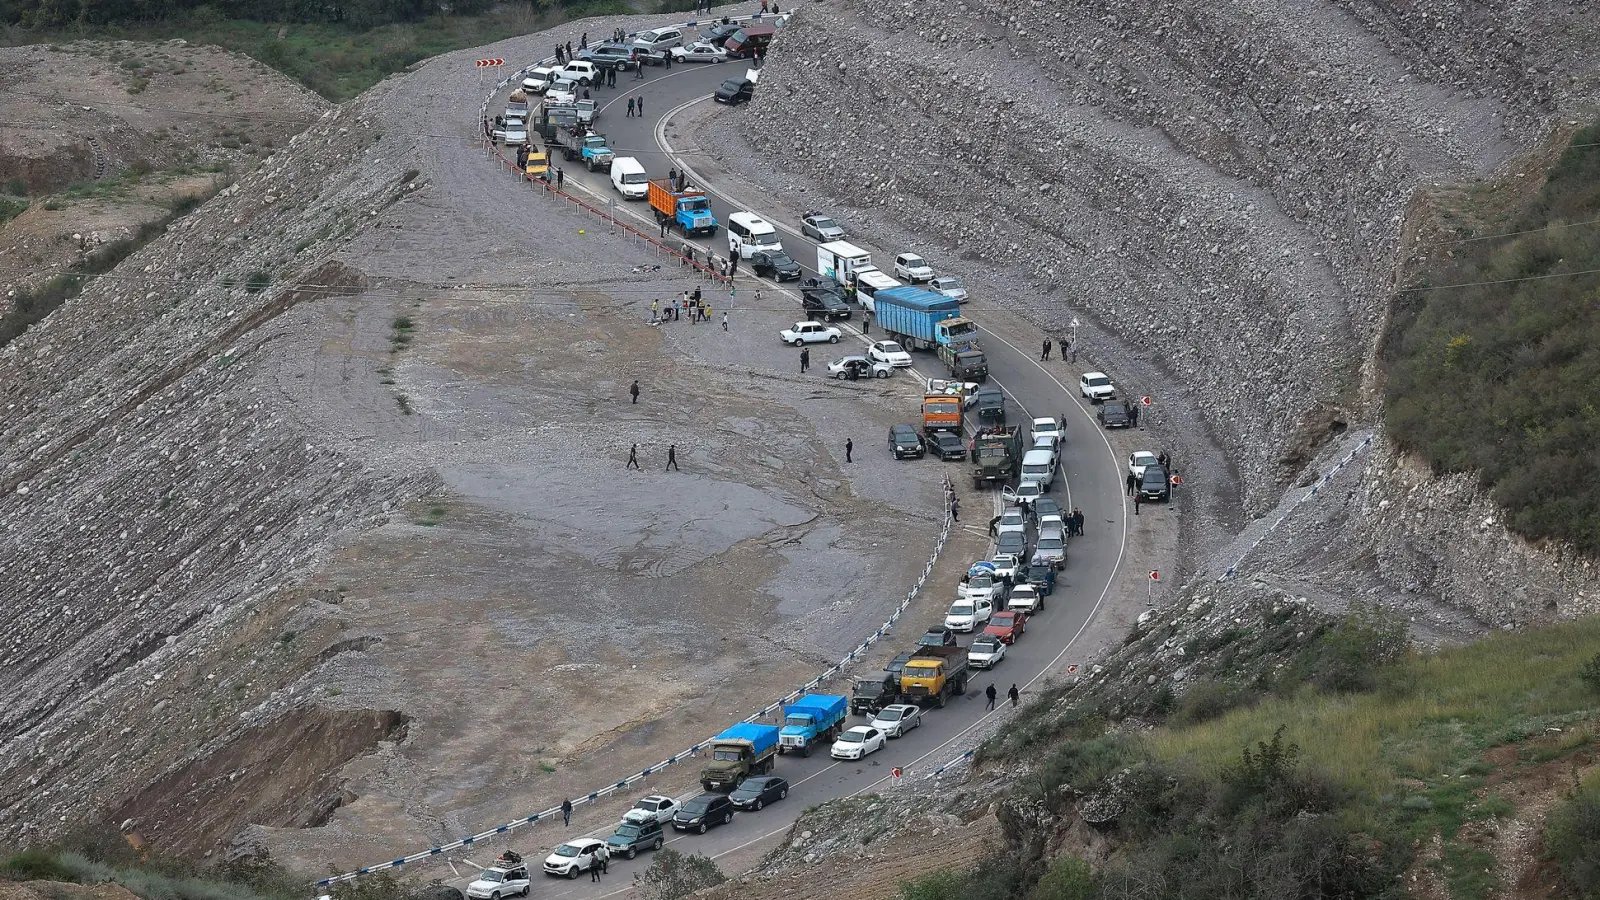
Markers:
868,283
628,177
1039,466
661,39
748,232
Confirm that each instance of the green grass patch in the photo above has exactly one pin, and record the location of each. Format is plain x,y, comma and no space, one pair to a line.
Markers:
11,208
1501,377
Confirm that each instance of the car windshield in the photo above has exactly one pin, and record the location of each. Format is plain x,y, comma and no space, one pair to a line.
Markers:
491,875
1002,619
695,807
914,262
890,715
647,805
635,178
628,831
1051,543
567,850
732,85
1101,381
729,755
891,347
949,440
823,223
697,204
950,284
850,737
1028,488
1011,518
961,609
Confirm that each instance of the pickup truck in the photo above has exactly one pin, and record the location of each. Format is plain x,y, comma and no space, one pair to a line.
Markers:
934,675
688,209
812,719
741,751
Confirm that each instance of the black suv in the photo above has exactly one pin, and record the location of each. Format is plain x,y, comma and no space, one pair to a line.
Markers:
824,305
610,56
774,264
991,404
945,445
1112,415
702,812
1155,485
631,837
734,91
903,442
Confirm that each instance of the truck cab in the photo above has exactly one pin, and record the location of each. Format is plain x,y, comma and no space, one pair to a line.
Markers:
596,155
810,720
991,404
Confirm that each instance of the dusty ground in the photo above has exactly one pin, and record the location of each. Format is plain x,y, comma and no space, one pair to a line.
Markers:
131,128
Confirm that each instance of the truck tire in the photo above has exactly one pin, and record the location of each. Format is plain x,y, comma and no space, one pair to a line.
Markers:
939,701
589,164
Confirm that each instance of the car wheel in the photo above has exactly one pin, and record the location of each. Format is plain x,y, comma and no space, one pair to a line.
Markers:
656,845
702,828
833,339
495,896
526,890
728,817
839,376
884,373
783,793
758,803
632,852
572,873
798,342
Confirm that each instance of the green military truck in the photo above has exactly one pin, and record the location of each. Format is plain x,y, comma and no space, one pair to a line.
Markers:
996,454
741,751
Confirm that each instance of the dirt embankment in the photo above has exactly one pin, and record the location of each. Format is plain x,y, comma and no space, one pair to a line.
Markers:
101,138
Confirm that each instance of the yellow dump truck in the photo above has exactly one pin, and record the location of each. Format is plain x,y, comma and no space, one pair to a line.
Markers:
934,674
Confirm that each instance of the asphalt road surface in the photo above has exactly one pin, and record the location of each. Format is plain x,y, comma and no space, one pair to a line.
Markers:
1093,481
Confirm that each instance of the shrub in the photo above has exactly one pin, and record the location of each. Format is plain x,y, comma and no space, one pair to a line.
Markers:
1591,673
34,865
1208,700
1068,879
1572,839
674,876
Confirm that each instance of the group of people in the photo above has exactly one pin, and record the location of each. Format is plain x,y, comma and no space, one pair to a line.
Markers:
689,303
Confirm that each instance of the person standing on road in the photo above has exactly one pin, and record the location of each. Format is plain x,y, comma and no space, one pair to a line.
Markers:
724,320
1046,354
1133,417
1137,497
866,324
994,527
805,360
633,458
1077,520
991,694
594,869
666,60
566,812
733,264
849,448
1133,483
633,390
672,458
1013,694
630,107
664,227
561,178
955,509
640,103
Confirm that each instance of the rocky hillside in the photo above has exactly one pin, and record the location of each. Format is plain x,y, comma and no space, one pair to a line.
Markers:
1218,192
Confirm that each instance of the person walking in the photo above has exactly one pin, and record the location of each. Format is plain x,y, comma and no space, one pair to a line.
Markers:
805,361
1046,354
991,694
558,54
640,104
1137,498
732,293
566,812
664,227
1013,694
633,390
561,178
594,870
1133,482
724,320
672,458
1077,521
611,77
630,107
955,509
866,324
666,61
849,448
633,458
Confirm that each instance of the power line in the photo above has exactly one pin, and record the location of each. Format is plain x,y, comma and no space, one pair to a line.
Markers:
1490,237
1465,284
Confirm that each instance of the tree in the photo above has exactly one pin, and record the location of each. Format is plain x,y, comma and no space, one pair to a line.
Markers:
674,876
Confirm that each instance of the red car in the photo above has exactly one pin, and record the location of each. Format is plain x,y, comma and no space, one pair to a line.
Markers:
1007,626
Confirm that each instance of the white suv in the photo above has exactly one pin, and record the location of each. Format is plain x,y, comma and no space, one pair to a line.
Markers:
582,71
912,268
575,857
495,882
1097,387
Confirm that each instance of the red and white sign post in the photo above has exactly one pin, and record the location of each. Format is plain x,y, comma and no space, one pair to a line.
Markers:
1150,593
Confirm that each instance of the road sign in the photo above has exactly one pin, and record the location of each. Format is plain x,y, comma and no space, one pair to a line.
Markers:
1177,479
490,63
1155,575
1072,669
1146,400
896,772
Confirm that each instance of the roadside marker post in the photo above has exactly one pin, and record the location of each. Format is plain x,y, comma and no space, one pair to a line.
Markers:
1150,592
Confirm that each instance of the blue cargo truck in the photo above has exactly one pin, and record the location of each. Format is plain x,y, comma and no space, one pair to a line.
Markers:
923,320
745,749
812,719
